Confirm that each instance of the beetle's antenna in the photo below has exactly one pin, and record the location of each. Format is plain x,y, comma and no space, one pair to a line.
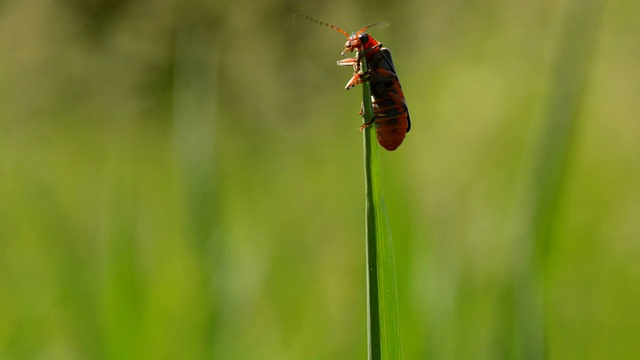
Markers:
322,23
380,25
364,28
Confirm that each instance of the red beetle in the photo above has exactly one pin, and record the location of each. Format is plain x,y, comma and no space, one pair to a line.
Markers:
391,115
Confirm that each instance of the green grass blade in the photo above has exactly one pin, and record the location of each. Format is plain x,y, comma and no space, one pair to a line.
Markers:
382,298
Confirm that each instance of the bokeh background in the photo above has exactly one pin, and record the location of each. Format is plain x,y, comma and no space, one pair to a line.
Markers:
183,179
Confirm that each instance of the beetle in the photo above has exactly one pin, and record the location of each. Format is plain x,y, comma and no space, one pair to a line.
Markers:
390,113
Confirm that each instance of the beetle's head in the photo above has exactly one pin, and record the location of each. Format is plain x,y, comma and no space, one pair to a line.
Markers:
359,41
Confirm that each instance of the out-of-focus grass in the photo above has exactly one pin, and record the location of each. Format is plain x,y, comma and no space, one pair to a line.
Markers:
566,94
147,213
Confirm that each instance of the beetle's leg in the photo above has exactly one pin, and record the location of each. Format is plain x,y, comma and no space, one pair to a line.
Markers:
369,122
354,61
366,125
348,61
356,79
360,77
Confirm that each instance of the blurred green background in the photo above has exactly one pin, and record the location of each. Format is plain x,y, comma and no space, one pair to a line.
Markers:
183,179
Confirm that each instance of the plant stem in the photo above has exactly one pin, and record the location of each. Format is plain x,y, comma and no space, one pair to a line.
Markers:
373,304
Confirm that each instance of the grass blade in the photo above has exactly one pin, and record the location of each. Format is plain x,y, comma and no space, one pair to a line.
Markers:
382,299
